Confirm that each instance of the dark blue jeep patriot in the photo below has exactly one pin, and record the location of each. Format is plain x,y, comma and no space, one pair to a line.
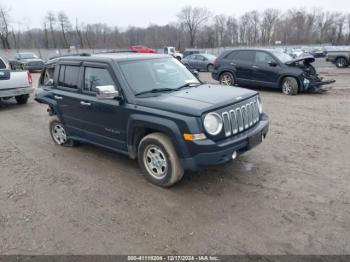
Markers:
151,108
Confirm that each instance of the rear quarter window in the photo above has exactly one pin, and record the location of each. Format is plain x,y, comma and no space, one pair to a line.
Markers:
245,56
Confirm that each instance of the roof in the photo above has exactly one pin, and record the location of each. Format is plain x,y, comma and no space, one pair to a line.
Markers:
118,57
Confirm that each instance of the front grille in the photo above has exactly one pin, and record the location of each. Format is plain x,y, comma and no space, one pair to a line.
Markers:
241,117
35,64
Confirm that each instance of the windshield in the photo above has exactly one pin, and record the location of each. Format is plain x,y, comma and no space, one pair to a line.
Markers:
27,56
283,57
147,75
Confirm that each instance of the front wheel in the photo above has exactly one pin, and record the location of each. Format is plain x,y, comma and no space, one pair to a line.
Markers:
59,134
158,160
290,86
227,79
341,62
21,100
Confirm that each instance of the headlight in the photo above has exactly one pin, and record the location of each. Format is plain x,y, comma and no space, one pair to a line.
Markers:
260,105
213,124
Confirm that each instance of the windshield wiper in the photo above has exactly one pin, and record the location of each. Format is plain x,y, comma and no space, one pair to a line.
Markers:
156,90
186,85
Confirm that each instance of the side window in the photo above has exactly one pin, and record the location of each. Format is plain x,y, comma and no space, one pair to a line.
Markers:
47,76
231,55
263,58
2,64
69,76
96,77
245,56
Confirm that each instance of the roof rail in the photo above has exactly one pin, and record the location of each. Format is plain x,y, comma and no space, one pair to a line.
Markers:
66,55
116,51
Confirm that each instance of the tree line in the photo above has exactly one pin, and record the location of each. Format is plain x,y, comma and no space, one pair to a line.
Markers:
195,27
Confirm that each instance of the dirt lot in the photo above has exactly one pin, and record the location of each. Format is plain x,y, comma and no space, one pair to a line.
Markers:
288,196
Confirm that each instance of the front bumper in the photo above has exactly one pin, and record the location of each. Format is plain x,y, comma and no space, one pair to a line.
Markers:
16,92
216,153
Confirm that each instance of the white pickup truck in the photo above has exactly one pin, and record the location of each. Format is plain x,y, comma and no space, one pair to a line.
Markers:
15,84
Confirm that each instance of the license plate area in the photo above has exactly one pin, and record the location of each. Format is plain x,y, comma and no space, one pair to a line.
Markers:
255,140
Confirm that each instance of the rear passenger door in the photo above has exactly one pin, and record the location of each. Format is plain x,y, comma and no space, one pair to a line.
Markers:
104,121
67,96
243,62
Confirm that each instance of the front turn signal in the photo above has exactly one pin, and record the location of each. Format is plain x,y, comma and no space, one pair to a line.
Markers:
194,137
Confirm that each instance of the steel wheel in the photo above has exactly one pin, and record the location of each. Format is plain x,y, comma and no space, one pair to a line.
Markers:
341,63
155,162
59,134
227,79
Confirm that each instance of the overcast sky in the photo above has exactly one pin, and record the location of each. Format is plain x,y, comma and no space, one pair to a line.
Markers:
145,12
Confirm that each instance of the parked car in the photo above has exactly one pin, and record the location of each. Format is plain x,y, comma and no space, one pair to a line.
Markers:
268,68
151,108
14,84
26,61
143,49
170,50
340,58
200,62
189,52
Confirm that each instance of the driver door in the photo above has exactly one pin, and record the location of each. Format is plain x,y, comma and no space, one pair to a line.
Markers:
103,121
266,69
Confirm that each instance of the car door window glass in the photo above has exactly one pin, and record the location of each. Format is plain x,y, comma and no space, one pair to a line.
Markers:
68,77
2,64
244,56
263,58
96,77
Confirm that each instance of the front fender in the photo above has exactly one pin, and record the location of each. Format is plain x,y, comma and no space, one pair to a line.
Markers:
166,126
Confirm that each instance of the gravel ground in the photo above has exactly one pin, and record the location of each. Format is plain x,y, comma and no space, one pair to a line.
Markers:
288,196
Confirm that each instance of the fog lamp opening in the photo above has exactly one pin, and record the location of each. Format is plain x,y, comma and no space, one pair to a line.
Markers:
234,155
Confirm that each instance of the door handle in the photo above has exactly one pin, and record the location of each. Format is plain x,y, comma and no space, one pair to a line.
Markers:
83,103
58,97
255,67
233,64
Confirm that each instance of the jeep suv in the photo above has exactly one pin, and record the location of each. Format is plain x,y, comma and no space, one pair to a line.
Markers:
151,108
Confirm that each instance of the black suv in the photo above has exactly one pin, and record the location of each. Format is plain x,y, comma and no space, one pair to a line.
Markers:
152,108
268,68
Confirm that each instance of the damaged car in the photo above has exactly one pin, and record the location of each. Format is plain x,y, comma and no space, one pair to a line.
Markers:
269,68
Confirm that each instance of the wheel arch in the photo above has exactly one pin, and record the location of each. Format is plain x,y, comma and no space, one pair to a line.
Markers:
140,125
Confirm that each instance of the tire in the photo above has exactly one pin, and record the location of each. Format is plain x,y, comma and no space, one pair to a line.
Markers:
290,86
210,68
60,139
165,170
21,100
341,62
227,79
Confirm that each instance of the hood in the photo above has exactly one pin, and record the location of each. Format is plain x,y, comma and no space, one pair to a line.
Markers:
306,59
197,100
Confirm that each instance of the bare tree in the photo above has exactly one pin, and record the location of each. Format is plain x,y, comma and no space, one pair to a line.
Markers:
232,30
220,23
51,20
192,18
4,27
270,18
65,26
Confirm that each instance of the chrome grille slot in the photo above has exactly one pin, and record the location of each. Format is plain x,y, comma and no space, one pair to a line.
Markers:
241,117
227,123
240,120
234,124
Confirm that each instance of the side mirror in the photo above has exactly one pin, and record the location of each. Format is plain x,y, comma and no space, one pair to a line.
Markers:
272,63
49,82
4,74
106,92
